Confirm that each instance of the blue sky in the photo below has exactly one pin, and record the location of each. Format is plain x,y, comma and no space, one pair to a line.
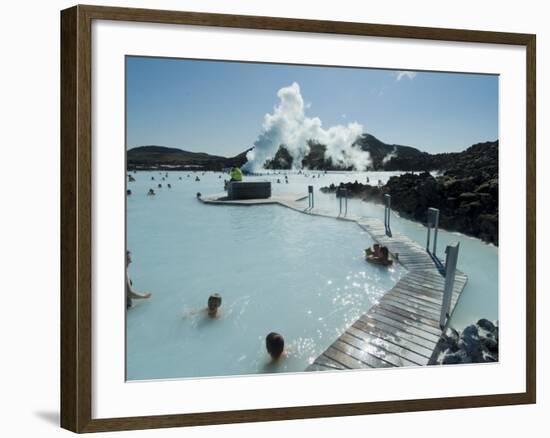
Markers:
218,107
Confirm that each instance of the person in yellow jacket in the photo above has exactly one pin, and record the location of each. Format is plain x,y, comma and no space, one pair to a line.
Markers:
236,174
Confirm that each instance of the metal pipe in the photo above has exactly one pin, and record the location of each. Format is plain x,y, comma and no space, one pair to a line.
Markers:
387,213
436,229
450,271
346,201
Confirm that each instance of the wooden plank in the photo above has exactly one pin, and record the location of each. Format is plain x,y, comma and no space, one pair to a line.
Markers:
416,299
344,359
410,306
390,347
418,352
364,356
418,296
328,363
421,346
418,325
396,308
403,326
374,347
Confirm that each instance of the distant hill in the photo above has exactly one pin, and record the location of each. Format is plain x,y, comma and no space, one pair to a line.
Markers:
384,156
161,157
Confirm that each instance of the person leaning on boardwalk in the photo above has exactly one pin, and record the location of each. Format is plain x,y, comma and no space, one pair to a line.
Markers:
236,174
130,292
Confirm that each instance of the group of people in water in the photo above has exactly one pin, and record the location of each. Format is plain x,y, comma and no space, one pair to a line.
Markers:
379,255
274,342
151,192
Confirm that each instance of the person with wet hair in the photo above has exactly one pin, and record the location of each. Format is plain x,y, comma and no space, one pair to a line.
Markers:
214,303
275,345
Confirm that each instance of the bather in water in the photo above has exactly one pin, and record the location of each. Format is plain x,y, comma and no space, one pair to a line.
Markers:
131,294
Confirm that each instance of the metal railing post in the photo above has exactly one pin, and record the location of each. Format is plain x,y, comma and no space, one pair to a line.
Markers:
450,270
433,222
310,197
346,201
436,229
387,211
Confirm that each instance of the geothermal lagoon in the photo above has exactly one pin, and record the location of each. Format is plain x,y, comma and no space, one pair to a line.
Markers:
276,269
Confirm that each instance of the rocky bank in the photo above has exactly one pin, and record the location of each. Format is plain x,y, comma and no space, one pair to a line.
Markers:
466,193
477,343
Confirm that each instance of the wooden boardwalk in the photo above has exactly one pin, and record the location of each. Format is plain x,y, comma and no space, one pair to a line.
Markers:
402,329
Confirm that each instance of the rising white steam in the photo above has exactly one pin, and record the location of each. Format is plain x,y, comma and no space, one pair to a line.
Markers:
289,126
389,156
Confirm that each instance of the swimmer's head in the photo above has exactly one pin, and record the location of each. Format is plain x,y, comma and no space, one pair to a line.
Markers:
128,257
214,302
275,345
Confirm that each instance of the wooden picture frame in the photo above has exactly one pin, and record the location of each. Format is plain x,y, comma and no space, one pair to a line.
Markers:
76,217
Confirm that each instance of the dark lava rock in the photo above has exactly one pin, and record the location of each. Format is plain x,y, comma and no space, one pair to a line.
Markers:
477,343
453,358
485,324
466,193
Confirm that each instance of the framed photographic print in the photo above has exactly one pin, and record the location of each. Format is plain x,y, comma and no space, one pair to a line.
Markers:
270,218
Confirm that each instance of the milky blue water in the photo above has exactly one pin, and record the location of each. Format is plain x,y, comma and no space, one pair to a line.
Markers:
276,269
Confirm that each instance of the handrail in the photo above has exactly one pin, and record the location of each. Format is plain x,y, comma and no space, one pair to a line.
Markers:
450,271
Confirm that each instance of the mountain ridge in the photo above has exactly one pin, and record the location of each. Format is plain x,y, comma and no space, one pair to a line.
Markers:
384,156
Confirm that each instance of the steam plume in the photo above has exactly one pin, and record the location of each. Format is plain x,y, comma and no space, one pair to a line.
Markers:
289,126
389,156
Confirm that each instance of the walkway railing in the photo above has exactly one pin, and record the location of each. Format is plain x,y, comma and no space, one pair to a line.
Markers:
310,198
387,214
450,271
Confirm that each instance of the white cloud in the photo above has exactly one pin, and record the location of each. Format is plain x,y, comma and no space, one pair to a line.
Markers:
289,126
404,74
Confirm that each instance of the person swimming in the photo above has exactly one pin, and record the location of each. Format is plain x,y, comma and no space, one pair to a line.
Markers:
214,303
151,192
211,310
373,251
382,259
128,192
131,294
275,345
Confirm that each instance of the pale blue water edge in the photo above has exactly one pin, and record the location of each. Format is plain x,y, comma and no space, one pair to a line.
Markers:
276,269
